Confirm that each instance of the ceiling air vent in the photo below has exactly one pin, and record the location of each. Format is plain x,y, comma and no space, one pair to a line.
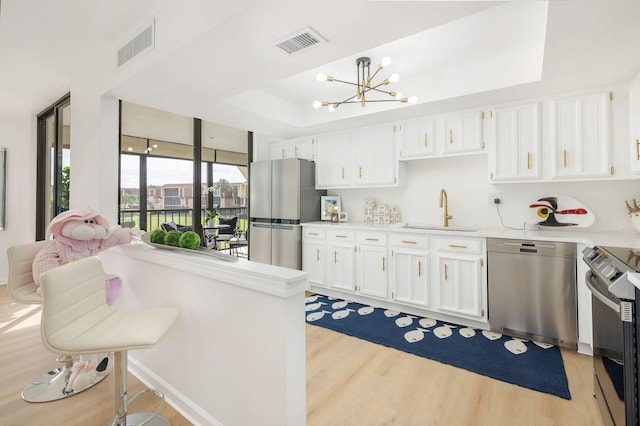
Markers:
140,43
298,41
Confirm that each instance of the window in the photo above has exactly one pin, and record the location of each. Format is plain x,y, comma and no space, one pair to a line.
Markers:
171,198
53,169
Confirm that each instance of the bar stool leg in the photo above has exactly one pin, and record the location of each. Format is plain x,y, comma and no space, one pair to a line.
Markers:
121,401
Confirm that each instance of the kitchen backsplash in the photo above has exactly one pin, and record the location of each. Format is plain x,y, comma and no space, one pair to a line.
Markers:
470,195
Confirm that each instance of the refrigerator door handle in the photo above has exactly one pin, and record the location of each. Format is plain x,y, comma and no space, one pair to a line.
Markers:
286,227
261,225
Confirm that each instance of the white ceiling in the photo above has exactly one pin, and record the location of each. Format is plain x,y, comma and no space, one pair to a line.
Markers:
214,59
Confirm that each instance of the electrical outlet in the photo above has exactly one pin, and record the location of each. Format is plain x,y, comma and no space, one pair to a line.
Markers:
495,198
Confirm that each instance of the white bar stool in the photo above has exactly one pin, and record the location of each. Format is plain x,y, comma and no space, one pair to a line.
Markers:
50,386
77,320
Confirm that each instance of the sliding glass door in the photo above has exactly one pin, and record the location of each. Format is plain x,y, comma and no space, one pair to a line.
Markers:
174,168
53,164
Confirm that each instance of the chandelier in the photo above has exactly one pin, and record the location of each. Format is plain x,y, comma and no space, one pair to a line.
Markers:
364,85
147,150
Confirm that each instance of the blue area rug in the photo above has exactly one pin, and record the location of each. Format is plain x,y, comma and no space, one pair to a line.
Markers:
524,363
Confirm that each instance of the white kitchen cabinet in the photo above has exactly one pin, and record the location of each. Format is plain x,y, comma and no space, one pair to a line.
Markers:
372,264
580,128
634,125
515,148
373,154
341,262
416,138
461,277
364,157
314,255
410,270
425,274
462,133
333,160
294,148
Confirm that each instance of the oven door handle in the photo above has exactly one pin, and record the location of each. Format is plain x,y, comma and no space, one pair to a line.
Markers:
601,297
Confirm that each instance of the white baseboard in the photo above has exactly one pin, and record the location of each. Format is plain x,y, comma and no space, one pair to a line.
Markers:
190,410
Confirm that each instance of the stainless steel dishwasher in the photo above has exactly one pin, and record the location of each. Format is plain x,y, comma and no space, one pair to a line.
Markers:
532,290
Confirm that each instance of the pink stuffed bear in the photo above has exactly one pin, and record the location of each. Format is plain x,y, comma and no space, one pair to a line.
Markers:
79,234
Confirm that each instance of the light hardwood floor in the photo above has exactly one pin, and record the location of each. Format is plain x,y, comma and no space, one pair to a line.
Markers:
349,382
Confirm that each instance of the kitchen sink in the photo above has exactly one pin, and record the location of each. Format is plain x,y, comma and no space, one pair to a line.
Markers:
436,228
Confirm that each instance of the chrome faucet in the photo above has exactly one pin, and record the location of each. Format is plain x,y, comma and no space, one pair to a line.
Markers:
444,201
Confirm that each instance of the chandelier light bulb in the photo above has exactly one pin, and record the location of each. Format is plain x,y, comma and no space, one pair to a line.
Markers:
317,104
331,108
321,77
398,95
386,61
395,77
413,99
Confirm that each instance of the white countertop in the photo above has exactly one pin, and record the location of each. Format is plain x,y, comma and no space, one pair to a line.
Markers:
634,278
270,279
577,235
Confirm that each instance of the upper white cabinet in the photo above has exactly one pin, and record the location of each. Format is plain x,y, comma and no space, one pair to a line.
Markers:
634,125
463,133
417,138
581,137
294,148
450,134
333,160
361,158
515,148
373,156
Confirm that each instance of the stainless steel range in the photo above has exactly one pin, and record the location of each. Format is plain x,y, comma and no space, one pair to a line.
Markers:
616,341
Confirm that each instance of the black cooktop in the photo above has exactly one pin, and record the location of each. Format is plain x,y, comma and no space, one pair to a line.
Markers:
628,256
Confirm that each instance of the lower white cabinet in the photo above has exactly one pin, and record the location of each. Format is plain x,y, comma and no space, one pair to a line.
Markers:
341,262
460,277
372,264
314,255
429,273
411,270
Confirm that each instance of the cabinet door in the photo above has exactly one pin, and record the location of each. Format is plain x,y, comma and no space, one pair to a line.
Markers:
372,271
333,160
416,139
342,266
634,125
302,148
580,128
410,276
314,256
463,133
460,285
279,150
515,148
374,156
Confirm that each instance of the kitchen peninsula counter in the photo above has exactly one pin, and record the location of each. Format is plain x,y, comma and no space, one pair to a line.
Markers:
236,354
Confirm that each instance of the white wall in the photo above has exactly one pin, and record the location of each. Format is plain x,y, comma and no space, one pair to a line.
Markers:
468,187
18,136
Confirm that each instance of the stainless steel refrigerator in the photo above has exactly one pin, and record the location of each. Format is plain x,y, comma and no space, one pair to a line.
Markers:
282,196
